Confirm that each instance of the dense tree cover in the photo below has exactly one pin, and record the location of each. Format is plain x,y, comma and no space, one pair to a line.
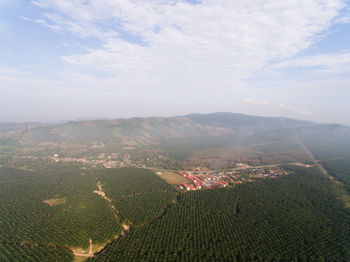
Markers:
30,227
33,229
220,152
142,208
33,253
340,169
138,194
326,141
184,147
297,217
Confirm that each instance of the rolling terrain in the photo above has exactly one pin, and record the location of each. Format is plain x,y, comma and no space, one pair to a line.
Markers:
210,141
108,190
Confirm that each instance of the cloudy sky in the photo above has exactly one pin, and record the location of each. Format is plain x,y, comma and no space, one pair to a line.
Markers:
70,59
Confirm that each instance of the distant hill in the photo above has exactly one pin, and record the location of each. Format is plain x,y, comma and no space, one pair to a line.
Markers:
10,126
135,130
150,130
246,122
326,141
217,139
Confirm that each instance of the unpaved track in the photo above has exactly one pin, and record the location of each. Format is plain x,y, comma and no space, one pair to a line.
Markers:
83,254
102,193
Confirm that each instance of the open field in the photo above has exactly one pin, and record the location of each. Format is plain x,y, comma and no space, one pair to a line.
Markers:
173,178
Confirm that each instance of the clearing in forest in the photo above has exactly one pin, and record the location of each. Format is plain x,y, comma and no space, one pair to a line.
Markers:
81,254
55,201
173,178
125,227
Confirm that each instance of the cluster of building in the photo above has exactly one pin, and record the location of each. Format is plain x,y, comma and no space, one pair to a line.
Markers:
201,181
212,179
114,160
107,162
303,165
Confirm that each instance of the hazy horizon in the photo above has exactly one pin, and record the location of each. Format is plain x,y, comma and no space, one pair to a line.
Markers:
66,60
48,120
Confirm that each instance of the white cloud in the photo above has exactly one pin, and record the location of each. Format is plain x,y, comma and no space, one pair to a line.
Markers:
265,103
343,20
207,45
261,102
330,63
174,51
43,23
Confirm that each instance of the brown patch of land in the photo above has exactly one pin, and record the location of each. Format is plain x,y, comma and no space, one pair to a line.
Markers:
125,227
81,254
128,147
101,192
103,195
173,178
55,201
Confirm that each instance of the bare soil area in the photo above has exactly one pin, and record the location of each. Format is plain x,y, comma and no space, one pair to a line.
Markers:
55,201
125,227
173,178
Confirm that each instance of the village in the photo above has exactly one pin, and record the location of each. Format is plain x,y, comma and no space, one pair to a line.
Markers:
197,178
212,179
107,161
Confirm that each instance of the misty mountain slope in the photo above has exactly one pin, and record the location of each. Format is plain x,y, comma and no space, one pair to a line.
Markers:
326,141
194,139
246,122
10,126
145,130
230,128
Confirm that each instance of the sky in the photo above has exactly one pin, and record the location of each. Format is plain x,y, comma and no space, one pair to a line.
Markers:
75,59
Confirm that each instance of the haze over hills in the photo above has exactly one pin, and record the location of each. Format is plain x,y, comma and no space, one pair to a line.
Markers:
212,140
114,190
162,127
246,122
154,128
118,141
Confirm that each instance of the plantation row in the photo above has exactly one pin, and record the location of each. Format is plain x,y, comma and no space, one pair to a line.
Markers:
340,169
138,194
145,207
32,228
28,225
15,252
125,182
290,218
